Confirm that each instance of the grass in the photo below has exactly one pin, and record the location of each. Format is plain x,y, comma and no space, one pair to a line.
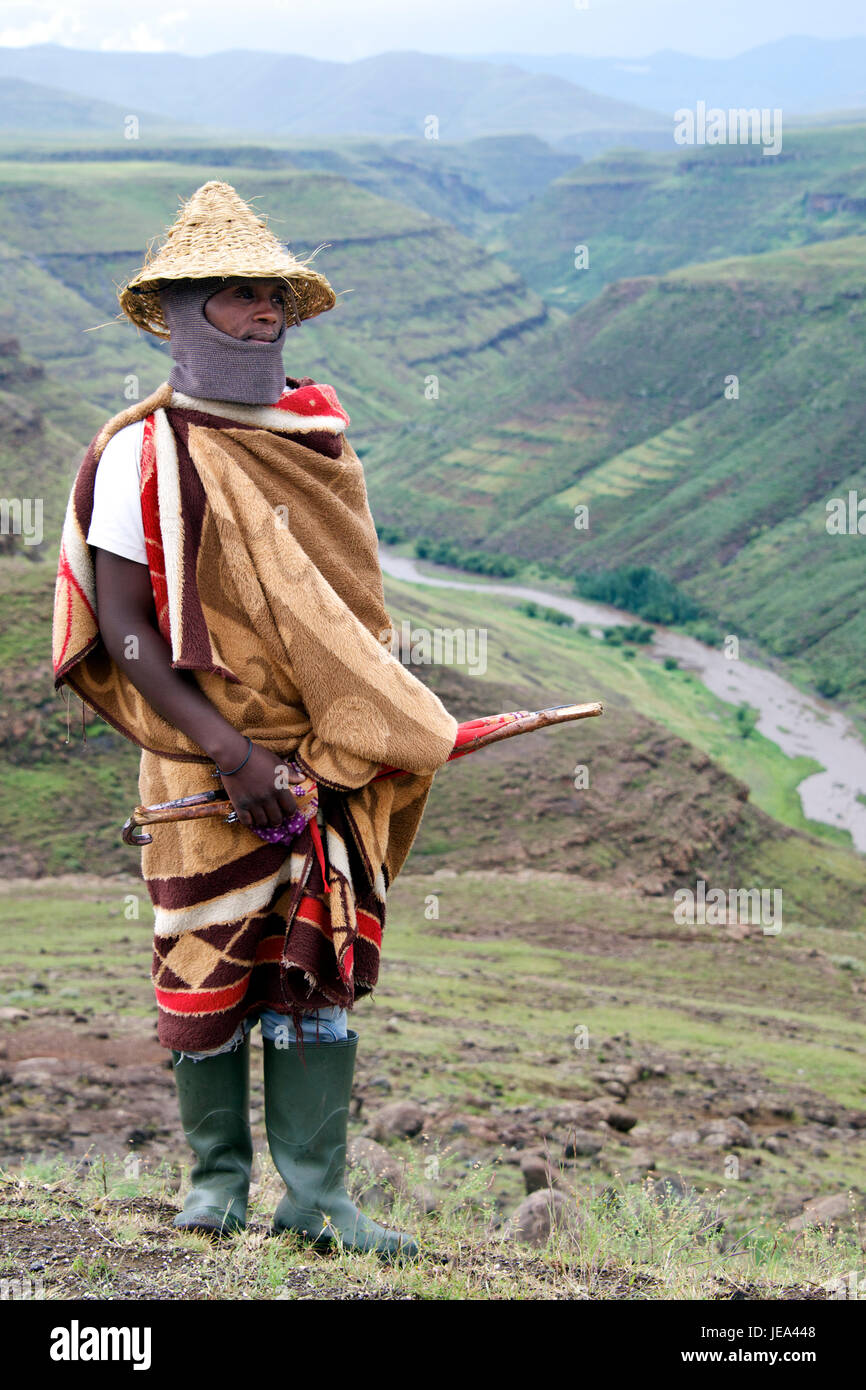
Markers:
626,1243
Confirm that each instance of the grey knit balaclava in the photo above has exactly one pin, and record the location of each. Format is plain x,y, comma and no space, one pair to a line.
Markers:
213,365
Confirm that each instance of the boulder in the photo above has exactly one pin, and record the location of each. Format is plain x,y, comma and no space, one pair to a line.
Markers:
729,1132
684,1139
402,1119
541,1213
377,1174
582,1144
620,1119
823,1211
537,1173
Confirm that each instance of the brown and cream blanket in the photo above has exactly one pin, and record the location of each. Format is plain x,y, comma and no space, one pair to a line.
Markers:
264,566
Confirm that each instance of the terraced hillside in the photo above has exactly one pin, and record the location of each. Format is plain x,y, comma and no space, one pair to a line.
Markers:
648,213
625,411
415,296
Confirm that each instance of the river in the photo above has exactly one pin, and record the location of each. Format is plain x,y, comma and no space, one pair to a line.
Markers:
797,723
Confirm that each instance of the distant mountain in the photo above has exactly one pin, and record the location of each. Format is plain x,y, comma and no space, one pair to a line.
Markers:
802,75
33,107
393,94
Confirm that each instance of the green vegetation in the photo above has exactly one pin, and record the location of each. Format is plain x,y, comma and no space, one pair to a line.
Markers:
635,1243
649,213
547,615
676,1002
639,589
723,496
478,561
747,719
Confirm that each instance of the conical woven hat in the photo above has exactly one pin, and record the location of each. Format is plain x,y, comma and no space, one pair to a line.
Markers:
217,234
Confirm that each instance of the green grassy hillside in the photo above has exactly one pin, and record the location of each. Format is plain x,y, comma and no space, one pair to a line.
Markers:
670,779
415,296
625,412
645,214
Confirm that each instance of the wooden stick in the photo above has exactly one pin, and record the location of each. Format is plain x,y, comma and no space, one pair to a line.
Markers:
491,729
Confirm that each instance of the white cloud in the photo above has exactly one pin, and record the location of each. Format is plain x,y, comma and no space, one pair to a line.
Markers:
40,24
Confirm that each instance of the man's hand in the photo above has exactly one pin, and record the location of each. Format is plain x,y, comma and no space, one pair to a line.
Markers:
129,629
258,792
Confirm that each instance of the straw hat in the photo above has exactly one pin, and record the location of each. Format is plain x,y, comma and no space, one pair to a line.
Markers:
217,234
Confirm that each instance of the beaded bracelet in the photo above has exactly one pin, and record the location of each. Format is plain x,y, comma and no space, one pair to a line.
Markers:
219,772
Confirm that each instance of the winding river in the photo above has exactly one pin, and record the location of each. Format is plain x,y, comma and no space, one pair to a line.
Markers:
797,723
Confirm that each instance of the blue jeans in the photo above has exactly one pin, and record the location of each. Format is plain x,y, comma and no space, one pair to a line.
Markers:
278,1028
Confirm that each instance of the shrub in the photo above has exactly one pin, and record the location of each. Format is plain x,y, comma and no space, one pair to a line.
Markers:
746,717
828,686
639,589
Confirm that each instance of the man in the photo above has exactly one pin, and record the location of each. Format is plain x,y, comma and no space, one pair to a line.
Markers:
219,601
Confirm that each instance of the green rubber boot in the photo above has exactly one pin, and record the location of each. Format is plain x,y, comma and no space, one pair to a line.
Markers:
214,1097
307,1117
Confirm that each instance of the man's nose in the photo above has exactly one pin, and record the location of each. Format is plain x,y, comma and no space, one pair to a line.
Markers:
265,309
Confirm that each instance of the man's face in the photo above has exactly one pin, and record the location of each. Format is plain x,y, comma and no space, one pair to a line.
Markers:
249,309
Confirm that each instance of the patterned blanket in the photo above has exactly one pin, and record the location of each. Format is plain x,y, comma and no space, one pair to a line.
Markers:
266,581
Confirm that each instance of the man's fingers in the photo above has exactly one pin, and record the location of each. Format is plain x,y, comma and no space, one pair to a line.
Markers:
288,803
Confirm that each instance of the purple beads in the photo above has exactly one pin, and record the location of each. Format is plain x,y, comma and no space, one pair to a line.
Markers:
286,831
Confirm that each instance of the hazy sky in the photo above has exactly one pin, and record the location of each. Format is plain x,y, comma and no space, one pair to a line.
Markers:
346,29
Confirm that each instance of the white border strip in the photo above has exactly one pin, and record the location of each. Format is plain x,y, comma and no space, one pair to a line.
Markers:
170,521
267,416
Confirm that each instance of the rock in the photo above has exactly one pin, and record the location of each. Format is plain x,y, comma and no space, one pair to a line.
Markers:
616,1089
744,1105
392,1026
381,1083
382,1173
402,1119
627,1073
425,1199
537,1173
582,1144
641,1160
684,1139
823,1211
541,1213
727,1133
619,1119
36,1072
9,1014
820,1114
773,1144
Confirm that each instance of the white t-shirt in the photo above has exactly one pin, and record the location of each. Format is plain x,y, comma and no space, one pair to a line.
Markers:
116,523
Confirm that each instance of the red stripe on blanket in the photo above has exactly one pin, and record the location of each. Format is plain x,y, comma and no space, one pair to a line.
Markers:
368,927
201,1001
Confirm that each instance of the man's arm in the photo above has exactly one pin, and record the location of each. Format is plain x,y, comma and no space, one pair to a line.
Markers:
125,609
